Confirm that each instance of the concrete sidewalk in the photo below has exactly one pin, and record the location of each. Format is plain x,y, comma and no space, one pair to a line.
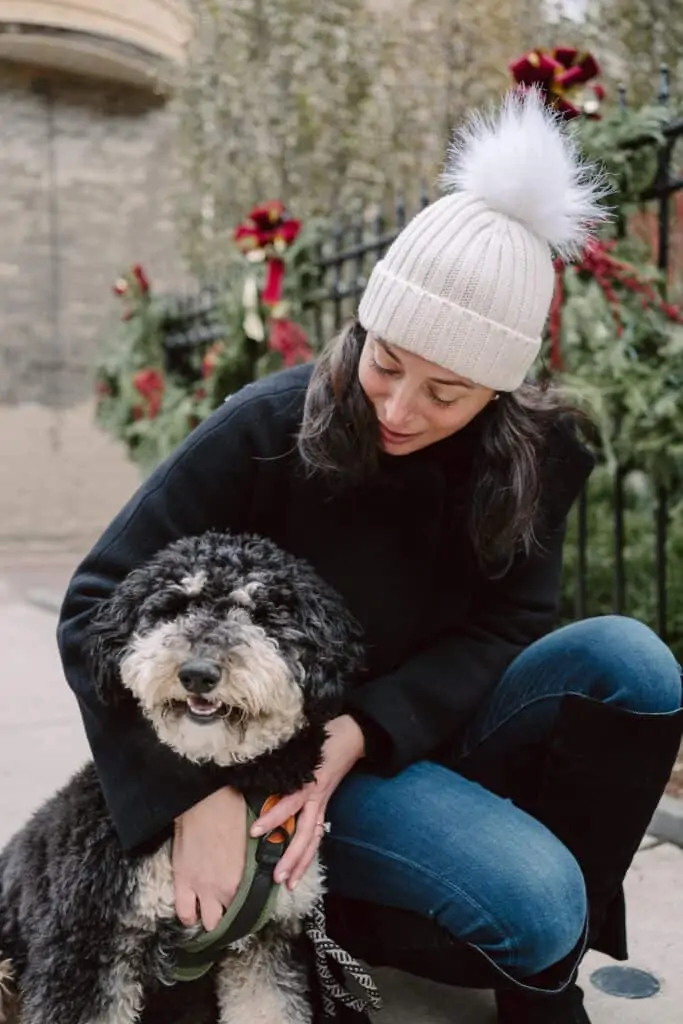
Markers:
41,743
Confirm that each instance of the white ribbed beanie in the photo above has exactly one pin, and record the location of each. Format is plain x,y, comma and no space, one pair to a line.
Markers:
468,282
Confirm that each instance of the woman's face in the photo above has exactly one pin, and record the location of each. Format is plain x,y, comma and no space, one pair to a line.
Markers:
416,402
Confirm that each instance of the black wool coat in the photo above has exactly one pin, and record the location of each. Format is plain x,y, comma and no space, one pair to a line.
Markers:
439,633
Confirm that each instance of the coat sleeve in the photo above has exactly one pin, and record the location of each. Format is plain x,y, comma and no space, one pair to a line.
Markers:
207,483
430,699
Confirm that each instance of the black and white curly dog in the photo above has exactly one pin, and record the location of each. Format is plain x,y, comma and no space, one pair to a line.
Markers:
237,654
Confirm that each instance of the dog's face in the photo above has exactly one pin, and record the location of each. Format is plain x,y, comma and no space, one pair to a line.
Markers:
229,646
214,685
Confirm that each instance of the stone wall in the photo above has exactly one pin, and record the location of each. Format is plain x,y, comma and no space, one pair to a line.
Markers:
86,172
61,479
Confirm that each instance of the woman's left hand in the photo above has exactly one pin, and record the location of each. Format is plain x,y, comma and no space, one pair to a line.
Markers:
342,749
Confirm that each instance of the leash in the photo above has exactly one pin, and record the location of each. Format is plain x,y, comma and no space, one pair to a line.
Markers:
251,910
332,991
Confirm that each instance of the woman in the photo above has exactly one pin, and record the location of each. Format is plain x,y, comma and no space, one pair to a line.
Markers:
489,782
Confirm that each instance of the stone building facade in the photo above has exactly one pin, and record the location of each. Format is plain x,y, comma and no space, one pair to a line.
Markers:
86,169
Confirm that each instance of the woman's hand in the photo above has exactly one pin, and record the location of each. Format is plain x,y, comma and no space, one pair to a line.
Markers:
209,855
343,748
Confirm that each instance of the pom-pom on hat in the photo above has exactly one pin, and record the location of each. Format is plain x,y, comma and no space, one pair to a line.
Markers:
469,281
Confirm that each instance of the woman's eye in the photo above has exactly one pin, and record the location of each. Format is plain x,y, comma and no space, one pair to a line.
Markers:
382,369
442,401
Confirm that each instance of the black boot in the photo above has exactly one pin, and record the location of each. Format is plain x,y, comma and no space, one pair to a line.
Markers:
383,936
601,781
386,937
565,1008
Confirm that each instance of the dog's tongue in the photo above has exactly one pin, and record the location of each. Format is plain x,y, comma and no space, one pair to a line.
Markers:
201,705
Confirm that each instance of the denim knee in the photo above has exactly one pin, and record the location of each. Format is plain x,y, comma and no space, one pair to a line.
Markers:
553,907
627,663
532,908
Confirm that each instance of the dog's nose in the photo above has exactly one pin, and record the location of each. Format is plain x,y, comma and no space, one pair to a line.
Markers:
199,675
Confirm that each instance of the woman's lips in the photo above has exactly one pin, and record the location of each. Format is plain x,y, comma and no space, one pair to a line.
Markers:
392,437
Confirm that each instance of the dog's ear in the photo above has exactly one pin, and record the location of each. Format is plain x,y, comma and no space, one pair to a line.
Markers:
109,633
330,650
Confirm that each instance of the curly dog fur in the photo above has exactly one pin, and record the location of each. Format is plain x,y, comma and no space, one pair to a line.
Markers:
237,654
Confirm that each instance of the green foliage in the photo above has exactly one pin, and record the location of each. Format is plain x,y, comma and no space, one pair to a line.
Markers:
610,141
138,403
631,382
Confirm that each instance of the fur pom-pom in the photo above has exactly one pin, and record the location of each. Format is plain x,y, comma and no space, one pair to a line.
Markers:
522,162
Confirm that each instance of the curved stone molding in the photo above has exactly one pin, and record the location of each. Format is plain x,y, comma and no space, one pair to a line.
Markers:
124,40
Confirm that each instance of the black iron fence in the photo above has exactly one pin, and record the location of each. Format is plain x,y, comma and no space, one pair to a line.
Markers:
191,322
343,262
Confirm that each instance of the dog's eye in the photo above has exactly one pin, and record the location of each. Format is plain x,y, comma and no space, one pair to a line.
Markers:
166,604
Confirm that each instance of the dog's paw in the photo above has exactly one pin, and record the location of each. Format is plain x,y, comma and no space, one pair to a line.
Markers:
294,906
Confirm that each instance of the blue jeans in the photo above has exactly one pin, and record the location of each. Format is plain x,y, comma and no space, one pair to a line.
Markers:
432,841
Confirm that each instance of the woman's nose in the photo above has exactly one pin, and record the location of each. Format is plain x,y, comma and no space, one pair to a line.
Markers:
396,409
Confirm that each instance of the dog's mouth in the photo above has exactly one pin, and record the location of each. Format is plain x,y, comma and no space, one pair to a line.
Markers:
205,710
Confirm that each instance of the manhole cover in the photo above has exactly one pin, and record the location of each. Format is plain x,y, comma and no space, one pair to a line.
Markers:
626,982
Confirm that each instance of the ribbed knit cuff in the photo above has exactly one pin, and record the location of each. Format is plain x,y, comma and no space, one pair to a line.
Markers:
481,350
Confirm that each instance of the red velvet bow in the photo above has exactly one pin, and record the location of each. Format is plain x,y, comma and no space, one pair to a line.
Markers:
268,229
557,73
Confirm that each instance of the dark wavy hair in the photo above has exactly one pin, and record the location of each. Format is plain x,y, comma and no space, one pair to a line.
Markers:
339,438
